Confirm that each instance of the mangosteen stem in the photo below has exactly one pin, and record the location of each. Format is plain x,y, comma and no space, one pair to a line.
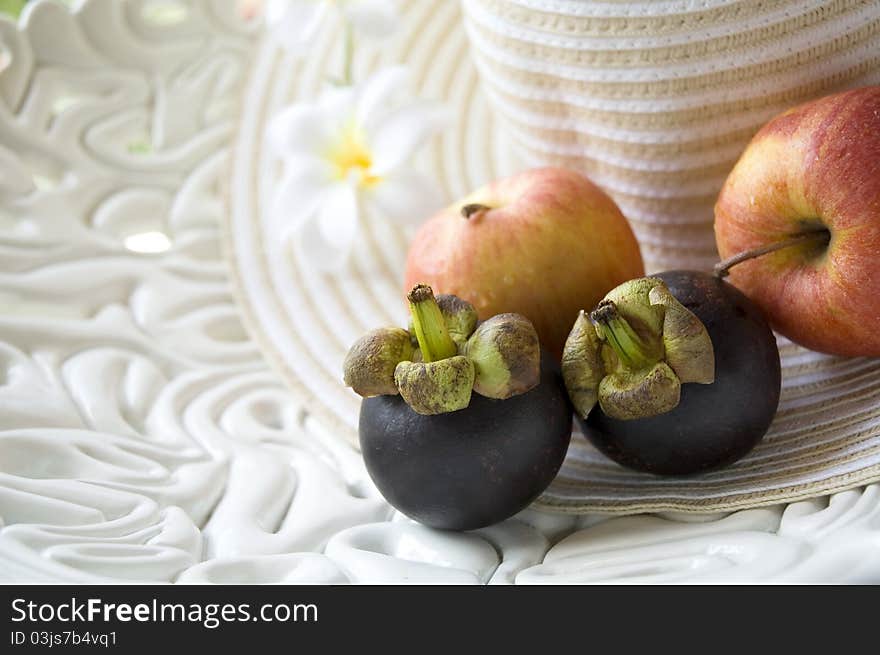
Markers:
822,236
429,325
632,351
469,210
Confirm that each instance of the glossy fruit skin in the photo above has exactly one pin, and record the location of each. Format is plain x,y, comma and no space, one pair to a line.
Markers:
471,468
552,243
815,166
715,424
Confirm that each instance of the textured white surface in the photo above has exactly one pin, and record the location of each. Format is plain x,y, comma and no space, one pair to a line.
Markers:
142,435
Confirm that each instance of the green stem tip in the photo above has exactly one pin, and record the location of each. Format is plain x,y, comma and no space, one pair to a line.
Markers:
614,328
348,55
429,325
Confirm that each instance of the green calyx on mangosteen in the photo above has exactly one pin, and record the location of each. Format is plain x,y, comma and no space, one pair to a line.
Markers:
506,356
634,351
445,355
436,387
369,365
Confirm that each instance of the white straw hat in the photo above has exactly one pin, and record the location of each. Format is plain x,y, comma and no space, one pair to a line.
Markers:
656,100
652,100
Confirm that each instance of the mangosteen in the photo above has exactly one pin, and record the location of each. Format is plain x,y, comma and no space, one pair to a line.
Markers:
462,424
674,374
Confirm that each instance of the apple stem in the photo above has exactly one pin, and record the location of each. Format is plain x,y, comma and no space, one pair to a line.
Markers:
722,269
474,208
429,325
632,351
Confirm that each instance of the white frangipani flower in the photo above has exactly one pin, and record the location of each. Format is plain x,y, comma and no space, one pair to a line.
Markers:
347,155
294,23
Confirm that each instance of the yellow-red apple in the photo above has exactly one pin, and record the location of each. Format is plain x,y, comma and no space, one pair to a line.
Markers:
544,243
814,168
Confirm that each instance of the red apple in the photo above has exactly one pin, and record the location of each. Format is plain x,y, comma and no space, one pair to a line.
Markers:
815,167
545,243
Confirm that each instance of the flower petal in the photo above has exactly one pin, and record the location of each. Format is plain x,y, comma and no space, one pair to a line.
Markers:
325,243
294,24
337,105
403,132
377,92
298,196
373,18
406,197
301,129
339,214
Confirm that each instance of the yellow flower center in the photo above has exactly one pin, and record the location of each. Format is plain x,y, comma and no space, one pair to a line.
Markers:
351,155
